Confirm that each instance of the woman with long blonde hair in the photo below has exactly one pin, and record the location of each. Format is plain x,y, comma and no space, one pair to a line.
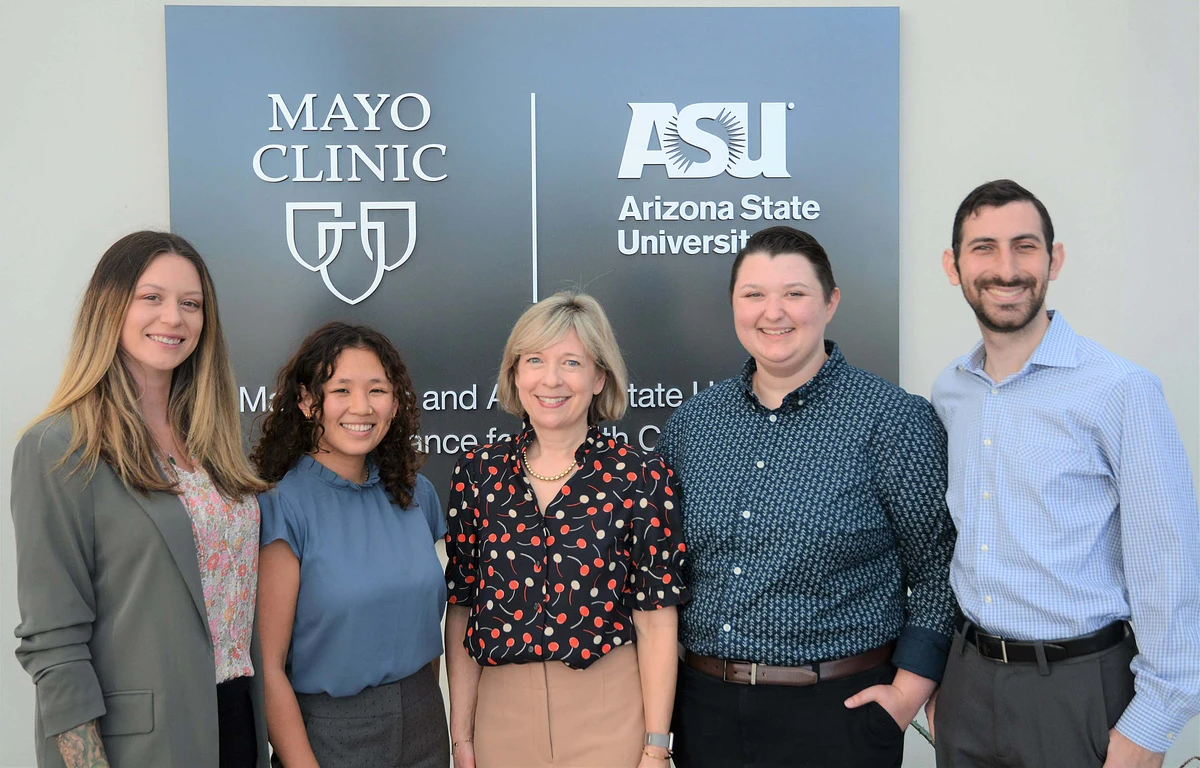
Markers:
137,530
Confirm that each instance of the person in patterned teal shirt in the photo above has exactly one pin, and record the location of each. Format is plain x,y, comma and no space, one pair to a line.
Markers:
814,511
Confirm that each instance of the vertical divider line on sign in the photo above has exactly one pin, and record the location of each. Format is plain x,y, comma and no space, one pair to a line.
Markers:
533,187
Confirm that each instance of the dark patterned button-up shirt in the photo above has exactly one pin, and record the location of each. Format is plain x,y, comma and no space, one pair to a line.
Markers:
808,525
561,584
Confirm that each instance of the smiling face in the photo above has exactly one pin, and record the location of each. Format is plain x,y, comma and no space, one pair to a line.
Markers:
163,323
358,407
556,385
780,314
1004,266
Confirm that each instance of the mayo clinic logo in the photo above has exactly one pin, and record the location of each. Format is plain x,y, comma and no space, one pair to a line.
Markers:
329,236
704,140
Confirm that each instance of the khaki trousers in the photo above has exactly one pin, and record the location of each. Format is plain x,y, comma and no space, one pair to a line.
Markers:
547,715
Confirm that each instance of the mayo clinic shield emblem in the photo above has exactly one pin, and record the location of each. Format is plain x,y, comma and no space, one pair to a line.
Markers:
323,235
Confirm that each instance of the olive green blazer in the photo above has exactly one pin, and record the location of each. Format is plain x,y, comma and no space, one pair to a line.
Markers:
113,624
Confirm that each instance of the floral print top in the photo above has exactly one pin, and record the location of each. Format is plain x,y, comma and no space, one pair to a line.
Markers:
226,536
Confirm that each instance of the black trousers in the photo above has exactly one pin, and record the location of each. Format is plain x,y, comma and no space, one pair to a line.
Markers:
235,718
727,725
996,715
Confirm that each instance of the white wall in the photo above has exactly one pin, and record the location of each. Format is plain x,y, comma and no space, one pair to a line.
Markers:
1092,104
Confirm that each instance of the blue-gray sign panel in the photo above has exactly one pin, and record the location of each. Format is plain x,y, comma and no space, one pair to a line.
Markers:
428,170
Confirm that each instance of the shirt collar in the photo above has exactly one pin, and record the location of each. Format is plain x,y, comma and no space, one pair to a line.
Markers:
1059,348
313,467
528,434
805,391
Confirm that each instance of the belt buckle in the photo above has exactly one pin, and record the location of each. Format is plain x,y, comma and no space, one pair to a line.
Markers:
994,638
725,672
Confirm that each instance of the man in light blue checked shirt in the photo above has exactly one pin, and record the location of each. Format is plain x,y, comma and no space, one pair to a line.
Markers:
1076,518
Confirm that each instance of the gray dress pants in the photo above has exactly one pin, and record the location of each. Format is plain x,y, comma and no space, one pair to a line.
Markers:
1025,715
395,725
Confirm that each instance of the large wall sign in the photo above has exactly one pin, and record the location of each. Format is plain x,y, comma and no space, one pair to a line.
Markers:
430,171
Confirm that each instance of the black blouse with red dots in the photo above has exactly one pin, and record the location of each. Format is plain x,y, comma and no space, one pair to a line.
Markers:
561,584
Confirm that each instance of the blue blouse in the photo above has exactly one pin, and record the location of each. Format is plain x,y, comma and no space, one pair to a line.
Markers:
372,591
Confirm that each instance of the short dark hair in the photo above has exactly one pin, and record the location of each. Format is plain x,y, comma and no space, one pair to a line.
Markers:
994,194
774,241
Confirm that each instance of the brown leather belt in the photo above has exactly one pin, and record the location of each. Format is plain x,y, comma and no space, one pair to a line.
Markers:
750,673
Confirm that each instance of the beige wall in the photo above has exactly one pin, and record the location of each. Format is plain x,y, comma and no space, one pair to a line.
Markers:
1092,104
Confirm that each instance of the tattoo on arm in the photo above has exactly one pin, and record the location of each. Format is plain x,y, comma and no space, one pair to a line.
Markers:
81,747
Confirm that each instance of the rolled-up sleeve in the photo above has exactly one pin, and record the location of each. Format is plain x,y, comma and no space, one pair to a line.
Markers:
910,457
54,525
461,540
658,550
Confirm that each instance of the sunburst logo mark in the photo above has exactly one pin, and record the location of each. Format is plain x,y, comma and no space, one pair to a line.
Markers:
735,136
726,126
675,146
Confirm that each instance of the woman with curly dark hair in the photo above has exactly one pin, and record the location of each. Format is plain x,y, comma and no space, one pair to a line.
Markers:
350,588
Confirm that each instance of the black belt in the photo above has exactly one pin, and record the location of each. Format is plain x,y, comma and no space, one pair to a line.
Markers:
999,649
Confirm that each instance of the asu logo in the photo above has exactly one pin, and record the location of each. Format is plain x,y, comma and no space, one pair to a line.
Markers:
329,241
704,140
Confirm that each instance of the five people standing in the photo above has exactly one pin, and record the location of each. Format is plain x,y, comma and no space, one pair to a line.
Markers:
806,508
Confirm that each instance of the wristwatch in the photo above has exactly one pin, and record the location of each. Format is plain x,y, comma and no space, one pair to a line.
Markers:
664,740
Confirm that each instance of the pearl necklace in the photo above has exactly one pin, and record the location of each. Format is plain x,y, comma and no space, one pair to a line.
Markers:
543,478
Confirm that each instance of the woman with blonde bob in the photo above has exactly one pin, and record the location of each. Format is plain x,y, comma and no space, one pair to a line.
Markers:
564,552
137,530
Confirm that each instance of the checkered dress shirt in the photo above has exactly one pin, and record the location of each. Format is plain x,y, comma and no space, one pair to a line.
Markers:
1075,508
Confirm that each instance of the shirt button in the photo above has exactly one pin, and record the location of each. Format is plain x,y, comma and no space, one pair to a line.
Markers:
737,571
995,391
987,598
987,495
984,548
799,401
1170,736
759,464
987,441
772,418
746,513
726,627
